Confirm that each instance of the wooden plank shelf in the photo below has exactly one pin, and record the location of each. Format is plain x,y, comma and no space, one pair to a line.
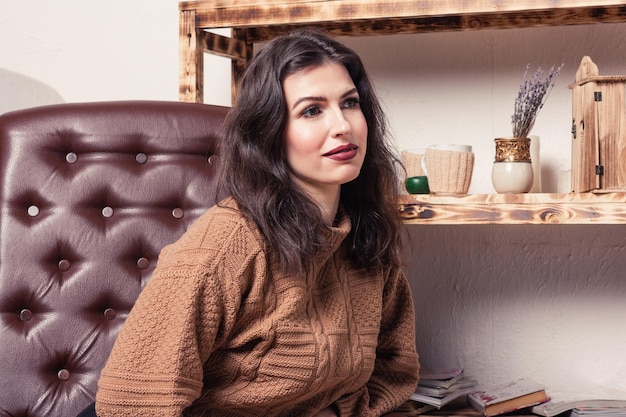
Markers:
571,208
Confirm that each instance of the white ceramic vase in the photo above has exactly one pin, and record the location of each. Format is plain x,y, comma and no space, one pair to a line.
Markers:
512,177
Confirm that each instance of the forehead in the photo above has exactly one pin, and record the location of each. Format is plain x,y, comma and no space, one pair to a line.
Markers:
319,77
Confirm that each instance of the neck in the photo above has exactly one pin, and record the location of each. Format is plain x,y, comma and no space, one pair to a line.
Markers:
329,207
327,201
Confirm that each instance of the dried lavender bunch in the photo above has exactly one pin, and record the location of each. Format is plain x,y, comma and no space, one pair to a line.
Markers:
532,95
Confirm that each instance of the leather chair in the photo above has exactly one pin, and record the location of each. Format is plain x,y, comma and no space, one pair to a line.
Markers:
89,194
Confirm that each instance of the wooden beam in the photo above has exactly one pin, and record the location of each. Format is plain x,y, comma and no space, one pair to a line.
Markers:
453,23
191,59
270,13
224,46
238,66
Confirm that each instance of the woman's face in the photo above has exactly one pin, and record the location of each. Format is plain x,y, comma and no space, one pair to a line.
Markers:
326,133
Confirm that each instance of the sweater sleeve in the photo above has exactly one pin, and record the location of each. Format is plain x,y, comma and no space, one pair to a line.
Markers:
396,370
156,365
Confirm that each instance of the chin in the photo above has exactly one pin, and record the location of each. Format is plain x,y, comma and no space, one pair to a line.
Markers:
350,178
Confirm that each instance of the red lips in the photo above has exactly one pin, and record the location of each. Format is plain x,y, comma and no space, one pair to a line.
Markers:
342,153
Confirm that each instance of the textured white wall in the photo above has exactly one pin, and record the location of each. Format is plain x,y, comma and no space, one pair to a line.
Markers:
505,301
501,301
73,50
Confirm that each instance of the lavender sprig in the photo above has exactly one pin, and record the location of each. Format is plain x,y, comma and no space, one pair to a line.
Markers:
533,93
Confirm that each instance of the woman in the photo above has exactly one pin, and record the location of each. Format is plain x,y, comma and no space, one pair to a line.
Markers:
286,298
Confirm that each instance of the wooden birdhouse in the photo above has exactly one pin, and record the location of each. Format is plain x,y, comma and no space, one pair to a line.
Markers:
598,130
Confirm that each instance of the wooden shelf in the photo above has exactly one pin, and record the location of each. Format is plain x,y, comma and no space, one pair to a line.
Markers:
574,208
260,20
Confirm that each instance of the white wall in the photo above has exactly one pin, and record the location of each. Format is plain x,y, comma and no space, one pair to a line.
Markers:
72,50
501,301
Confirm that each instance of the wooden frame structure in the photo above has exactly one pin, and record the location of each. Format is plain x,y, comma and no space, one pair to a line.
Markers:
254,21
261,20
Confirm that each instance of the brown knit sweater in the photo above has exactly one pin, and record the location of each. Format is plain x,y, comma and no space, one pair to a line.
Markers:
220,332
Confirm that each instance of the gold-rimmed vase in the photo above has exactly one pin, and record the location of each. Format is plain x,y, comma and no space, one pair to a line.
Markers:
512,171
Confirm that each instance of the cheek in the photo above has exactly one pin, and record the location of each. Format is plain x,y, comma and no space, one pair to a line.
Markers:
359,126
301,140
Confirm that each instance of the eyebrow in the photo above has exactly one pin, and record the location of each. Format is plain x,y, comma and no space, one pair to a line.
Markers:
316,98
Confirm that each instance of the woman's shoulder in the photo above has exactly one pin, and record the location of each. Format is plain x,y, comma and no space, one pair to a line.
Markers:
224,215
221,228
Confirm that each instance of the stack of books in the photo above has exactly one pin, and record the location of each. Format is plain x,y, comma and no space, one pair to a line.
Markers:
437,388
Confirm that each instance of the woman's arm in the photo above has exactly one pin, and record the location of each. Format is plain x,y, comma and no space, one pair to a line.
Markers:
155,367
188,306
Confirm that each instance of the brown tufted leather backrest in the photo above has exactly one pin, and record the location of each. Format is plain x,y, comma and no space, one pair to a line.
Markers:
89,195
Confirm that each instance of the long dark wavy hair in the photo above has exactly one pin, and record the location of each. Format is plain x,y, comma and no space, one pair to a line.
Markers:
254,169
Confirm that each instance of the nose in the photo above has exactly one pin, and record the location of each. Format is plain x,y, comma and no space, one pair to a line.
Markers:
340,125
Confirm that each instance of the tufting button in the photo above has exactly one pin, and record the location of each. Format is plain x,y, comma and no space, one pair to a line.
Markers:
141,158
107,211
26,314
33,211
71,157
109,313
64,265
178,213
143,263
63,374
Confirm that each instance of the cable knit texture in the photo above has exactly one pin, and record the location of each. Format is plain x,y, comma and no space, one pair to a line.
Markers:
218,331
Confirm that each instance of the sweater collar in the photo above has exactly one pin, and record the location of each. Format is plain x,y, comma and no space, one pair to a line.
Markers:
335,235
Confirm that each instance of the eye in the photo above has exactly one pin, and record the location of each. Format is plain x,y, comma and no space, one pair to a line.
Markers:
351,102
311,111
